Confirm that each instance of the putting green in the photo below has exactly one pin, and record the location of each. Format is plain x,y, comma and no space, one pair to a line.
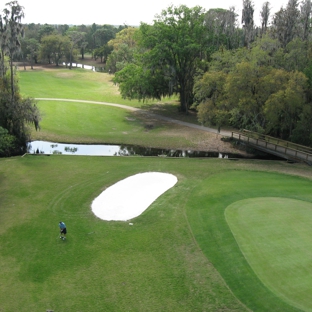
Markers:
275,236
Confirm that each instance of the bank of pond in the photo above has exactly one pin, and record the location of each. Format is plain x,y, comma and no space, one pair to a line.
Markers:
52,148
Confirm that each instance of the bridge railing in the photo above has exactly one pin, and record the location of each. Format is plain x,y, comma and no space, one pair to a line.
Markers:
279,142
275,146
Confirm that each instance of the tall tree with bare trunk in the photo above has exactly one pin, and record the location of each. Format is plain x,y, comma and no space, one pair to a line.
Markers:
248,22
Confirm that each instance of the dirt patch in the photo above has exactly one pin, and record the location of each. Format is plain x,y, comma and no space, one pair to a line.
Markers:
199,140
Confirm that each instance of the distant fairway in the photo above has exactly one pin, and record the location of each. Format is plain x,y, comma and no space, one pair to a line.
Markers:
275,236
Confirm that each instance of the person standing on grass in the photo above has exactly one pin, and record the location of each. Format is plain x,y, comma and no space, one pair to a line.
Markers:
63,230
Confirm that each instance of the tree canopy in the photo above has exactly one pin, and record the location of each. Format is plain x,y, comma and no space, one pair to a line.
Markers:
257,78
15,112
173,49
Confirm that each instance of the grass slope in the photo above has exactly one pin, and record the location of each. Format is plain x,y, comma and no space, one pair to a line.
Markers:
91,123
77,83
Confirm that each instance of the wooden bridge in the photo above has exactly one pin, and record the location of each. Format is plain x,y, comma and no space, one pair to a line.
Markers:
284,149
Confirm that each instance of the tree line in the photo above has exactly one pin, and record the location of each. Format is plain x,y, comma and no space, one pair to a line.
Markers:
33,43
56,43
233,73
16,113
248,77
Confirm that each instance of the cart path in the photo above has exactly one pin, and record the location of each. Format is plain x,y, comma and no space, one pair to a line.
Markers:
134,109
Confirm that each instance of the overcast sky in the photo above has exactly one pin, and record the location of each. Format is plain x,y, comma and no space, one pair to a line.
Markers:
114,12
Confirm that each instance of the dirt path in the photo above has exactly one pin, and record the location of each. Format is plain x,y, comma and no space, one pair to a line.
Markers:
160,117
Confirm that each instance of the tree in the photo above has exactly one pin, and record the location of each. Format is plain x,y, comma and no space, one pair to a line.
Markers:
305,18
222,29
248,22
174,47
285,23
102,52
284,107
296,55
7,142
46,30
13,30
54,47
120,58
302,133
210,95
75,38
32,50
126,36
103,35
246,96
265,14
124,47
15,112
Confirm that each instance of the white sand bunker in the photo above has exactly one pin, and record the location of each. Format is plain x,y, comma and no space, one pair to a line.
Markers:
128,198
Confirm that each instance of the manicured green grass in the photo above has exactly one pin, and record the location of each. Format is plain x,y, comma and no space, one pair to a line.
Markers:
103,266
180,254
206,213
79,84
154,265
92,123
275,236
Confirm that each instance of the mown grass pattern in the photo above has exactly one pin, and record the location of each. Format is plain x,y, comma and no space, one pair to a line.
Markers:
154,265
206,212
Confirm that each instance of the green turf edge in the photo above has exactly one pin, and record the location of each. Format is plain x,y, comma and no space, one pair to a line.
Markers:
271,231
205,211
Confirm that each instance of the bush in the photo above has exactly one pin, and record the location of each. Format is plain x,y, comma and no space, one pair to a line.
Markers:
7,143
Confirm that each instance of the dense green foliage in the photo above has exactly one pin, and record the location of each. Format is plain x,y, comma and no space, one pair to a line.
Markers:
173,48
61,43
263,89
15,112
265,72
264,86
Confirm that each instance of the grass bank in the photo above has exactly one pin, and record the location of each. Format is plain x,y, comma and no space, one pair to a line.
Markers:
70,122
81,84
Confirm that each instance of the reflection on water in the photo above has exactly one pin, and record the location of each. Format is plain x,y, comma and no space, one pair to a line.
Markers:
93,68
42,147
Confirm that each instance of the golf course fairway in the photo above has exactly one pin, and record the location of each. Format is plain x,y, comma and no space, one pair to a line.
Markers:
275,236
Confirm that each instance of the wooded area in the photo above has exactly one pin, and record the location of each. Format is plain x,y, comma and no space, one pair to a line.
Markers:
233,74
15,112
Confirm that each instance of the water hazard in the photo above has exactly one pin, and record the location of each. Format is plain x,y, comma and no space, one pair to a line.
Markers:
50,148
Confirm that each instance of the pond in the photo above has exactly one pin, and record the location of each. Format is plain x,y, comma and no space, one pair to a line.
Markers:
93,68
49,148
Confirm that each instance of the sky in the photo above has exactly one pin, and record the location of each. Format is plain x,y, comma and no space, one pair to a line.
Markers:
114,12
